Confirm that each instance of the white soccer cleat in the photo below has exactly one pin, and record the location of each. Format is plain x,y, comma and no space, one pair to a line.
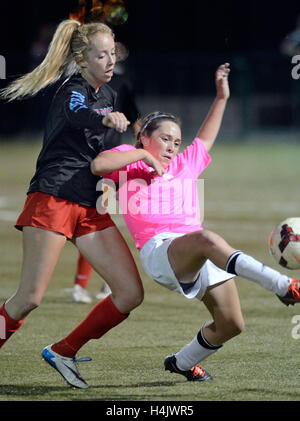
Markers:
105,291
66,367
80,295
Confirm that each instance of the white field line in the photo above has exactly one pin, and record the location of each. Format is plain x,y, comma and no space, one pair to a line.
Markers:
234,207
7,215
3,202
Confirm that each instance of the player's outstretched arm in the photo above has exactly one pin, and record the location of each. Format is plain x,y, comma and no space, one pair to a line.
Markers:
211,126
110,161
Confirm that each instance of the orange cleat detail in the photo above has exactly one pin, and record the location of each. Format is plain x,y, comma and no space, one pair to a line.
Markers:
293,295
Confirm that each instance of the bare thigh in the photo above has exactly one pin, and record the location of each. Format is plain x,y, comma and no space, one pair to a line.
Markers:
187,254
109,255
41,250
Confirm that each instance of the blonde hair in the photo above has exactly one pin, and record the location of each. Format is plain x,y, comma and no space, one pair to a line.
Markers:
65,54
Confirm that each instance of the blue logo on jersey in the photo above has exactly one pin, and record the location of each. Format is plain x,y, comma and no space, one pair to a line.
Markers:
77,102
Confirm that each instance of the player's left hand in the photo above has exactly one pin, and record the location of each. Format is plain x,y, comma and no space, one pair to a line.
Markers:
117,121
222,85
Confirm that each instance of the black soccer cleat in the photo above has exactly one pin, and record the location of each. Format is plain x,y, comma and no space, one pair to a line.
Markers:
196,374
293,294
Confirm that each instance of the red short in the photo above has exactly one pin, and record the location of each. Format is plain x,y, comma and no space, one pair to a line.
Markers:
51,213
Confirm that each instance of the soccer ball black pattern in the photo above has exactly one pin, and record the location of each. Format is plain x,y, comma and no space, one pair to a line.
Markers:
284,243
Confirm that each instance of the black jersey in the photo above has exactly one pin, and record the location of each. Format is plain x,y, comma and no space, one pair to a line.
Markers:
74,136
125,104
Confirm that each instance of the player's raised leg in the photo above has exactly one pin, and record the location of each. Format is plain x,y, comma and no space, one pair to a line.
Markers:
189,252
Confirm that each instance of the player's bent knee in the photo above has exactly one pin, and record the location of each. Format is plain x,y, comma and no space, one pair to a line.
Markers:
204,240
236,327
129,299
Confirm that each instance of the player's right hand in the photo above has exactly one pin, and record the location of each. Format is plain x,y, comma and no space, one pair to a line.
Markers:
117,121
153,163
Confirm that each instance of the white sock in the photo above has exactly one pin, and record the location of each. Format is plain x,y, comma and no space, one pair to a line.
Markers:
243,265
194,352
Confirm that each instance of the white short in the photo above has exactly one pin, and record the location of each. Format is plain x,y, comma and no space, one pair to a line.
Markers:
154,256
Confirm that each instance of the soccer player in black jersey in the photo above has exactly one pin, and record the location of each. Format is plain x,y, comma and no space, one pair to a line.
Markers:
61,201
125,104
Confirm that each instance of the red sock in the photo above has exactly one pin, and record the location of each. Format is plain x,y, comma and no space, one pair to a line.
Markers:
83,273
8,326
103,317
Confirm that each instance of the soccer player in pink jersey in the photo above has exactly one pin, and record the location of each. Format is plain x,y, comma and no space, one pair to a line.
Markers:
158,196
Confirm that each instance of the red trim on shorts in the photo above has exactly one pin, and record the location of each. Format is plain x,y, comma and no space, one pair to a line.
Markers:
52,213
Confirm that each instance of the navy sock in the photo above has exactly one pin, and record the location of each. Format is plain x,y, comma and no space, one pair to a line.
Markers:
230,266
202,341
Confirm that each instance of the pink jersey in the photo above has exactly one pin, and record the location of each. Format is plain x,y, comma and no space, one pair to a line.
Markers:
152,204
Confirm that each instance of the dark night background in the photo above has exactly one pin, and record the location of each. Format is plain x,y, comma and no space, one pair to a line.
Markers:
175,46
164,25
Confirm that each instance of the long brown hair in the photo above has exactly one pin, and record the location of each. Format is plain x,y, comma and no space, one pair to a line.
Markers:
65,54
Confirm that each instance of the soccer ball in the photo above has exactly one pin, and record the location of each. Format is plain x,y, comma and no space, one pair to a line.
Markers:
284,243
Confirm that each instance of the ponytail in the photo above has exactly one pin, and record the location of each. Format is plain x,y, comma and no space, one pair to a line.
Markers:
66,50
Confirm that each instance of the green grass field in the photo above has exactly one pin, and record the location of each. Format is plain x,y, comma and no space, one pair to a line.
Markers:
248,189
